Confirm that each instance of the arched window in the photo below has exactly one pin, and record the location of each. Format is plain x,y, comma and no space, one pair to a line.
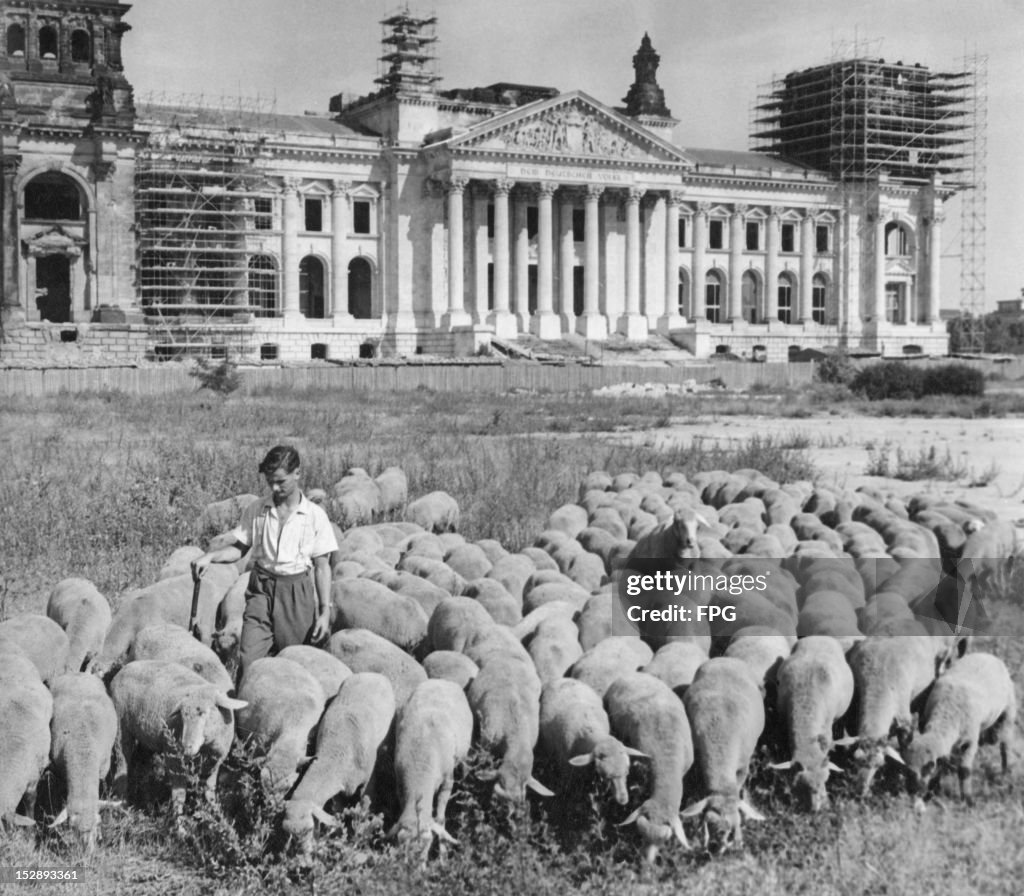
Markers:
786,298
819,297
311,287
897,239
52,197
262,283
81,46
15,40
360,289
713,296
751,296
684,293
48,42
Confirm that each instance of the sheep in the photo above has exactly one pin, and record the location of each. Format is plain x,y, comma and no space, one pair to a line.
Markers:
763,650
394,490
676,662
528,625
157,700
574,729
175,644
502,607
554,647
512,571
891,677
645,714
974,700
608,660
77,606
433,734
602,616
469,561
541,559
355,499
228,634
815,689
180,561
359,538
362,603
422,544
569,518
450,665
726,713
166,601
454,622
220,516
26,708
505,700
282,704
363,651
328,670
568,592
675,542
435,512
41,639
83,732
350,739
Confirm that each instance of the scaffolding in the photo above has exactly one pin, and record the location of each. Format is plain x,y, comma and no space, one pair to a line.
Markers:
202,211
972,210
406,63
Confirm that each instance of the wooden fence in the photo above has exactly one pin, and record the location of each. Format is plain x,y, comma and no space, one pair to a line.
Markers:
464,377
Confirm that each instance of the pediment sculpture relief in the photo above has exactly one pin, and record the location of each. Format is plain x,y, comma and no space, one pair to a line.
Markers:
572,131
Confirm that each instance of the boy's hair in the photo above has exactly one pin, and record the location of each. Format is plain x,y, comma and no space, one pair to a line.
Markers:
280,457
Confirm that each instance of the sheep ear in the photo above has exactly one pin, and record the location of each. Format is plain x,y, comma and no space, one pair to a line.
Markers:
583,759
633,816
893,755
749,811
60,819
677,829
537,787
781,766
226,702
325,819
442,834
700,519
636,754
695,808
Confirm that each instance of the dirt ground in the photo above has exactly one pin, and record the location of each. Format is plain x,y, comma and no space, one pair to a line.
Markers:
990,449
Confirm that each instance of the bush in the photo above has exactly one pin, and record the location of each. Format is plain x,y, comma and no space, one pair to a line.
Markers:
890,379
836,368
222,376
953,379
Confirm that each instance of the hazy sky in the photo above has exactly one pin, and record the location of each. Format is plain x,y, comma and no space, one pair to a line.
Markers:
294,54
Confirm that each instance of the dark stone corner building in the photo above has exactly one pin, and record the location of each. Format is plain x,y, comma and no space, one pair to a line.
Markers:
422,219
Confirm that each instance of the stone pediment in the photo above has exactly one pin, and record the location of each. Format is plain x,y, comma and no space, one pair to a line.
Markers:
54,241
569,126
900,267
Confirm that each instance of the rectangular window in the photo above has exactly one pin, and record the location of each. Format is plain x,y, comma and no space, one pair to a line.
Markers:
753,236
314,215
682,233
716,233
361,216
579,224
532,217
490,221
821,238
818,303
264,208
789,237
785,303
713,301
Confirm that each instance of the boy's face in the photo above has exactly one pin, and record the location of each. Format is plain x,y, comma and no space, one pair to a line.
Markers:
282,484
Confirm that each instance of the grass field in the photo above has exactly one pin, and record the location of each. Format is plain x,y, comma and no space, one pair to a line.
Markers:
106,486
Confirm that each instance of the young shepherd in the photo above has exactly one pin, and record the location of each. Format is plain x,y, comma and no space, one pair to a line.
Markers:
974,701
349,741
433,734
726,713
646,715
26,708
83,732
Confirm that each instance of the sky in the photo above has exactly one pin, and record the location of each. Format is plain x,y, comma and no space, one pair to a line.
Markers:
290,56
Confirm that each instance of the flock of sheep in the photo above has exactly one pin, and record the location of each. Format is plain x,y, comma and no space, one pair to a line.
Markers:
441,643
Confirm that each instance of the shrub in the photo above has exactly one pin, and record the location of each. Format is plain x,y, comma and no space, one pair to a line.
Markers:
890,379
836,368
221,376
953,379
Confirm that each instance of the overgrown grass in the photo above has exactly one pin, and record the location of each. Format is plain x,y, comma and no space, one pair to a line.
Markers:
926,463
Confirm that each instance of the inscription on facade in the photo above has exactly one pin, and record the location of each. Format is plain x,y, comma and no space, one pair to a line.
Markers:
570,175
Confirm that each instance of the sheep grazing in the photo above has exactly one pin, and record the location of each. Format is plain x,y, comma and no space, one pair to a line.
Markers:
355,499
326,669
974,700
83,731
77,606
26,708
554,647
394,490
219,516
39,638
351,736
363,651
726,713
452,666
676,663
815,689
174,644
433,734
434,512
574,729
454,622
180,561
646,715
282,705
362,603
154,698
605,662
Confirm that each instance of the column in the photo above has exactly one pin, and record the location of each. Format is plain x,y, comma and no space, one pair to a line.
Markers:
671,318
771,266
632,324
481,199
290,250
500,318
934,266
545,323
592,325
456,315
736,220
806,266
339,246
12,311
700,242
521,261
878,299
566,263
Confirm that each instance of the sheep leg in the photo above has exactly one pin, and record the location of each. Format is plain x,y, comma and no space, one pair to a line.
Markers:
122,762
443,795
